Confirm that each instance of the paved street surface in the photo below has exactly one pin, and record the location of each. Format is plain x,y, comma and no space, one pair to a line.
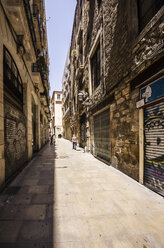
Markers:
76,201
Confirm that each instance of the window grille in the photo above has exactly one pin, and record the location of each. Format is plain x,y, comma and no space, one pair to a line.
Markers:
12,80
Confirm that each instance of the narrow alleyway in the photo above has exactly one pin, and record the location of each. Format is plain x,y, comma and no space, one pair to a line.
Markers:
76,201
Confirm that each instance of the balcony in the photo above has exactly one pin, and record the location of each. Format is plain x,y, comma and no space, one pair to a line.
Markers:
66,112
81,61
20,16
66,85
37,25
44,99
79,70
66,96
41,66
80,34
40,73
30,23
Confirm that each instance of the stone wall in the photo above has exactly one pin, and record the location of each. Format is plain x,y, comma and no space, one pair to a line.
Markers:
118,45
125,130
125,53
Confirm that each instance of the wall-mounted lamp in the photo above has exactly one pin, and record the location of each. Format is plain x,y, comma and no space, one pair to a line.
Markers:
80,96
83,98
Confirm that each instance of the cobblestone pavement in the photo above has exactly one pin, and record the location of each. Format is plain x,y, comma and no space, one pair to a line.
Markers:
76,201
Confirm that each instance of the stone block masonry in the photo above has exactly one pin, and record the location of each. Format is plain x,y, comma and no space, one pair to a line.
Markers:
129,57
124,137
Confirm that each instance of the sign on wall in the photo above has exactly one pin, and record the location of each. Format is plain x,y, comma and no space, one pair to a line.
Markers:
153,91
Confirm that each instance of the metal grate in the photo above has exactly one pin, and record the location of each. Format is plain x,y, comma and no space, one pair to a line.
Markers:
154,146
101,135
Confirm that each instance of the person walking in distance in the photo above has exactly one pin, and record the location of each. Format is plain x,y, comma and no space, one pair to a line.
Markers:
74,141
52,140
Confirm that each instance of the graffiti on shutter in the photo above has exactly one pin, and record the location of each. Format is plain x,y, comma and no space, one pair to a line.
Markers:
15,139
154,147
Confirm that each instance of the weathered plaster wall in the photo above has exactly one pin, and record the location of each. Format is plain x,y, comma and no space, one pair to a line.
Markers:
16,144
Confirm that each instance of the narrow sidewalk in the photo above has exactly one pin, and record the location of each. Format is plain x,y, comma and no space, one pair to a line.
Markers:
26,218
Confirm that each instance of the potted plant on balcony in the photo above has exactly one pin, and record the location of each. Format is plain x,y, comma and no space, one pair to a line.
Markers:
42,64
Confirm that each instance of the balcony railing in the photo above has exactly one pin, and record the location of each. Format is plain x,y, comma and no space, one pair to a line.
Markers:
66,112
42,67
39,20
81,60
30,23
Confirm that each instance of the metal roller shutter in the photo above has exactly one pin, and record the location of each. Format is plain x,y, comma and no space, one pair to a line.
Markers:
101,136
154,147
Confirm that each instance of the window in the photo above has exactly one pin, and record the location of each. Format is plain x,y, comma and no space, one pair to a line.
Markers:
80,83
99,2
12,79
41,118
74,103
58,96
95,68
81,48
146,10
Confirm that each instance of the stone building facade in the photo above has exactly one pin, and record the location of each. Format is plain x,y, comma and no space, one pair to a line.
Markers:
117,85
56,114
66,103
24,85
